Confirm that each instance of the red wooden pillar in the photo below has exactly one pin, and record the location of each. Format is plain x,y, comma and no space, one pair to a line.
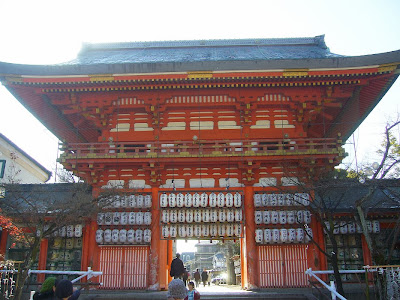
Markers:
156,268
169,259
251,256
367,256
243,264
163,265
3,242
44,245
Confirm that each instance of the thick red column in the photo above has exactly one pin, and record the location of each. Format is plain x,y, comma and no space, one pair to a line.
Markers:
156,267
44,245
3,242
251,257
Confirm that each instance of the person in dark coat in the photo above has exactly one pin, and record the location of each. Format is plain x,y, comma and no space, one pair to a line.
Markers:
185,276
177,267
204,276
197,277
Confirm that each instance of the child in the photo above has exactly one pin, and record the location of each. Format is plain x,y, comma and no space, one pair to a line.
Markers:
192,293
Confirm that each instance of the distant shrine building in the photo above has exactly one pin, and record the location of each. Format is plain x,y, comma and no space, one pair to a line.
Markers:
203,138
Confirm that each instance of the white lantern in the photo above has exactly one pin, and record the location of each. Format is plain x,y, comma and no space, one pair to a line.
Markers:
327,225
147,235
258,217
182,231
305,199
283,235
62,231
107,236
139,236
230,215
189,230
173,216
228,200
180,200
359,228
282,217
220,200
299,235
78,230
212,200
181,216
188,200
213,230
124,218
281,199
376,227
189,216
213,216
205,215
336,228
122,236
266,215
238,215
70,231
205,230
291,219
108,218
100,218
99,236
274,217
131,236
222,215
132,201
297,199
291,235
289,199
139,218
343,227
115,236
132,218
196,200
147,218
299,217
309,235
197,216
237,200
165,231
267,236
197,230
172,200
237,229
229,230
147,201
259,235
265,199
163,200
140,201
351,227
116,218
203,200
117,201
257,200
172,231
124,201
221,230
275,235
274,200
307,216
369,226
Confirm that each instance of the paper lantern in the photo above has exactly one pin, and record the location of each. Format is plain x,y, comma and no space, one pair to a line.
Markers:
181,216
309,235
259,235
122,236
267,236
289,199
257,200
165,231
275,235
258,217
107,235
299,217
336,228
238,215
139,236
283,235
140,201
281,199
99,236
228,200
212,200
197,230
205,215
172,200
359,228
124,218
147,218
220,200
78,230
108,218
132,201
266,216
70,231
203,200
291,219
305,199
189,216
180,200
214,215
173,216
237,200
299,235
230,215
213,230
197,216
62,232
307,216
343,227
196,200
182,231
132,218
274,217
282,217
147,201
163,200
117,201
147,235
172,231
139,218
237,229
221,215
265,199
205,230
188,200
376,227
189,230
221,230
369,226
100,218
124,201
115,236
78,243
351,228
116,218
291,235
274,200
229,230
297,199
130,236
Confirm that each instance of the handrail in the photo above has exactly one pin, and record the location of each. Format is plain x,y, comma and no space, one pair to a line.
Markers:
330,287
89,273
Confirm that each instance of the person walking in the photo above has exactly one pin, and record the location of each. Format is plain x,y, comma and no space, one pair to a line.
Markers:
185,276
177,267
197,277
204,276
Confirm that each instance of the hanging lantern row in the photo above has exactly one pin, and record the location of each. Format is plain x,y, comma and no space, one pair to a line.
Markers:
345,227
124,218
65,231
201,200
201,215
283,235
67,243
282,217
201,231
297,199
123,236
129,201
